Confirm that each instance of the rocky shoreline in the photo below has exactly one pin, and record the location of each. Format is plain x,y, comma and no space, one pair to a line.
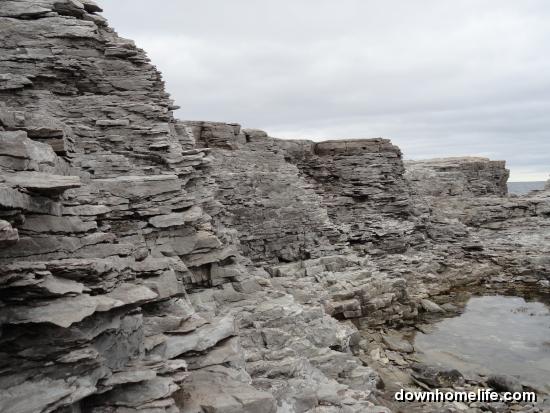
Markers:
154,265
392,353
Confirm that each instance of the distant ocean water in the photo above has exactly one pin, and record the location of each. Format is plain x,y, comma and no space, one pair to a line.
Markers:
521,188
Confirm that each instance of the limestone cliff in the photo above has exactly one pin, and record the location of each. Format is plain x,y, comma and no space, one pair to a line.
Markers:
468,176
314,198
103,199
109,252
151,265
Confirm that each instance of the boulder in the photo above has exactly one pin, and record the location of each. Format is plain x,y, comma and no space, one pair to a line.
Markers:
397,344
437,377
503,383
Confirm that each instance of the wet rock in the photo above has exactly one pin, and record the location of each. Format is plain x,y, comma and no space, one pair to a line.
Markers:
397,344
503,383
430,306
437,377
449,307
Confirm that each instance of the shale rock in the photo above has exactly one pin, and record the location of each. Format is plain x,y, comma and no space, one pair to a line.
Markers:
122,286
153,265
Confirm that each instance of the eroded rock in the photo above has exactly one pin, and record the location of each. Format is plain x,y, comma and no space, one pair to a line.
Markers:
154,265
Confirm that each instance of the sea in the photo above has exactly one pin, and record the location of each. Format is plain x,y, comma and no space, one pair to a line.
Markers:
522,188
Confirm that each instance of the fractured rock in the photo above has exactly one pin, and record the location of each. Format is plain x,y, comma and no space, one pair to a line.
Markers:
62,312
8,235
165,266
42,182
201,339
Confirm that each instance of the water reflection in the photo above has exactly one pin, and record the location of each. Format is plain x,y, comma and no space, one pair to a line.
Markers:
495,334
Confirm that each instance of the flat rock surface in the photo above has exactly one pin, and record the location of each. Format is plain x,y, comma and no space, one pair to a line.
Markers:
42,182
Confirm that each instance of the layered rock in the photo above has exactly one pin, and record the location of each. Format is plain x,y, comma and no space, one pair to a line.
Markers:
306,203
277,214
153,265
349,192
364,191
118,290
465,204
469,176
102,199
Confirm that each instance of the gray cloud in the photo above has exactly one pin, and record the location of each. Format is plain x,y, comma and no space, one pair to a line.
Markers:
438,77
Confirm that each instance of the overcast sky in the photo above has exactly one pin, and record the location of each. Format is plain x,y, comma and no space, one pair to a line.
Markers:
438,77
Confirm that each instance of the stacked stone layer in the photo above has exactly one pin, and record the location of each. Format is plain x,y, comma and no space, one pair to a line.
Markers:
152,265
469,176
119,291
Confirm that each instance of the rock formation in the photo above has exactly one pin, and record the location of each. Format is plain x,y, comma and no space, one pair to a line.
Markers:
468,177
118,292
154,265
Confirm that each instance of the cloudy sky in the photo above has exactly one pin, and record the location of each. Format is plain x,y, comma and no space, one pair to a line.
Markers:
438,77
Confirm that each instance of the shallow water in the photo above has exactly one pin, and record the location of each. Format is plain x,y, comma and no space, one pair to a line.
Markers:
495,334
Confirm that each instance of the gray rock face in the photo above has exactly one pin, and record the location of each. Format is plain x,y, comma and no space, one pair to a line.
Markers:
458,176
465,204
277,214
292,200
121,287
364,191
102,219
153,265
